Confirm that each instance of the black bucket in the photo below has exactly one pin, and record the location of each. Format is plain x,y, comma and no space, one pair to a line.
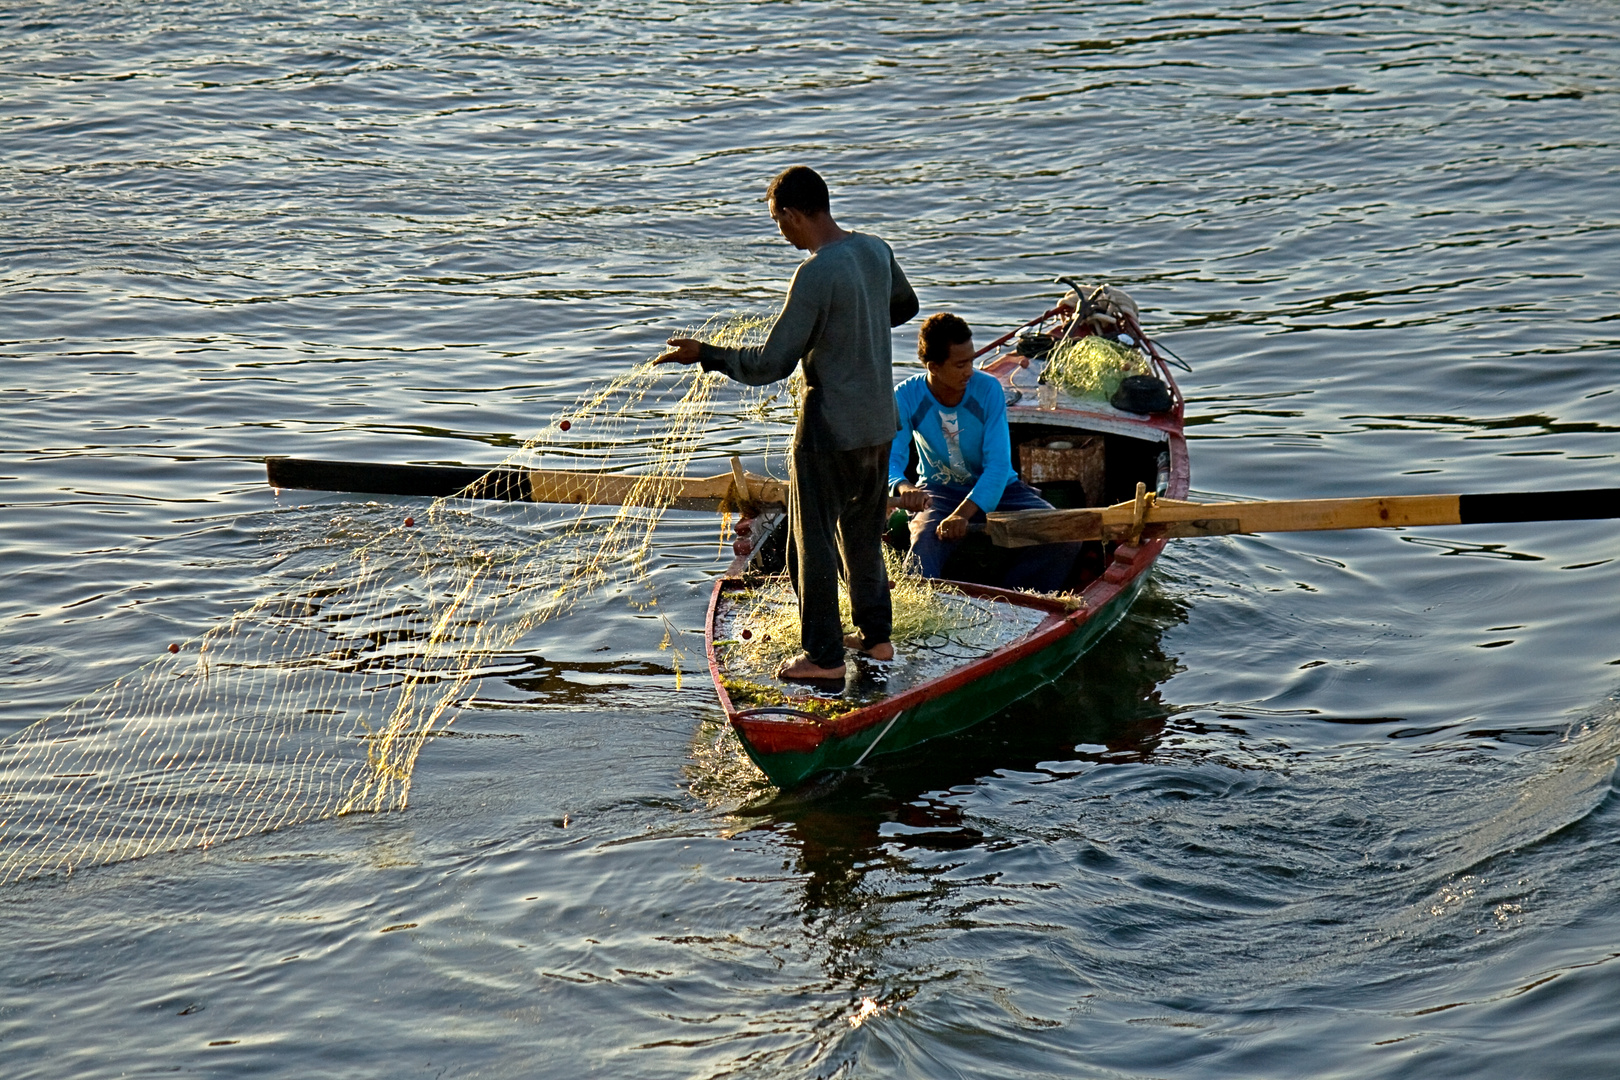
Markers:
1141,394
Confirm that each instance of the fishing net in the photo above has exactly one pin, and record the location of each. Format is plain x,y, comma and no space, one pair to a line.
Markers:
1092,366
765,619
317,700
936,628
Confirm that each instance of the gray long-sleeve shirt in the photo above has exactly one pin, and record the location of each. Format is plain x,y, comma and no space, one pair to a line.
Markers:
840,307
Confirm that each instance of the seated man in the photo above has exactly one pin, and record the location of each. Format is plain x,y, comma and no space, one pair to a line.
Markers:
958,417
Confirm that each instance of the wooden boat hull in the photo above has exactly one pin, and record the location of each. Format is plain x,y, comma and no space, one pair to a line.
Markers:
790,749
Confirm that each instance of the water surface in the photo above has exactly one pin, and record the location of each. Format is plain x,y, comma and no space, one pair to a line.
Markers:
1332,804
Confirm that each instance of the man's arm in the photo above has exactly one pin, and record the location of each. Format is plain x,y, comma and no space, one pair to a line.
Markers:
995,454
790,339
907,496
899,454
902,300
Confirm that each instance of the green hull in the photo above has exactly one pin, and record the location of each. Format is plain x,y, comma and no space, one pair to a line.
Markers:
954,710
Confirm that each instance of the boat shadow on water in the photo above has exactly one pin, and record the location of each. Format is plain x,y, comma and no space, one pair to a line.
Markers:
1107,708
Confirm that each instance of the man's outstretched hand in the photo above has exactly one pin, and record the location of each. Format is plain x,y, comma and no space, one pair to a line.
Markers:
682,350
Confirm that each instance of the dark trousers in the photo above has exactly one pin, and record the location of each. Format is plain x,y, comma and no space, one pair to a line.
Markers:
1043,568
836,514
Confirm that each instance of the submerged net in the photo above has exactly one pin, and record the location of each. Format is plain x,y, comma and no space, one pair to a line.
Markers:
317,699
1092,366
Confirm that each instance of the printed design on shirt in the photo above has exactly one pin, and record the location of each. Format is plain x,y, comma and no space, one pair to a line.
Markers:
957,464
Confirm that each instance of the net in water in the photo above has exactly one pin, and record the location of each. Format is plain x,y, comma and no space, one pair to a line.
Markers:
317,699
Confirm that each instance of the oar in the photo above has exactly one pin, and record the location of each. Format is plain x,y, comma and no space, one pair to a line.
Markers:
743,492
734,490
1148,518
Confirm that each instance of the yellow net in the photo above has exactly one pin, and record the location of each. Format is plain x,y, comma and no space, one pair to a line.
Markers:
736,331
765,620
937,628
1092,366
372,634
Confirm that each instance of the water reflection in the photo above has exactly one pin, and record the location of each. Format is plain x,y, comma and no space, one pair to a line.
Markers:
1107,708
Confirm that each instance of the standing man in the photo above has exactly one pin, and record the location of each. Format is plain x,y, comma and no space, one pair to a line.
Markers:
840,306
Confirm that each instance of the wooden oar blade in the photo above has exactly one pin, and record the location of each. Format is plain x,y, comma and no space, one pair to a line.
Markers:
1587,505
1169,518
733,490
706,493
375,478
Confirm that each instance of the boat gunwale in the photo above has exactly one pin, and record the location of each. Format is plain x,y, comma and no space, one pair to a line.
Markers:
1062,619
1129,562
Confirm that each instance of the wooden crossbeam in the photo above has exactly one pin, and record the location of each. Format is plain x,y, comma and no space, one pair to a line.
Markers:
1148,518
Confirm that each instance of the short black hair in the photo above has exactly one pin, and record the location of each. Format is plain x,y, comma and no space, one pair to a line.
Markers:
938,333
800,188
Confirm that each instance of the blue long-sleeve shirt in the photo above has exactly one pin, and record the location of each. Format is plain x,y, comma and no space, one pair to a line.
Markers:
982,453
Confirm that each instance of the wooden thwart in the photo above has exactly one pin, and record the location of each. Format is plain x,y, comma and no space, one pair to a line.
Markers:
1148,518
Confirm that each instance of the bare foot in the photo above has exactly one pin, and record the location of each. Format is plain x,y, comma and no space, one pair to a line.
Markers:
882,652
801,668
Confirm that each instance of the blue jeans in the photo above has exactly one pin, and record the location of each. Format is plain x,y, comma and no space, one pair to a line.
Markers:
1044,568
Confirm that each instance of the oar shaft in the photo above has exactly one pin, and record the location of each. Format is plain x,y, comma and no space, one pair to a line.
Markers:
1167,518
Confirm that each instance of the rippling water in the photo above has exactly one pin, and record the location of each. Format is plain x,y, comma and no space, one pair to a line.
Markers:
1324,805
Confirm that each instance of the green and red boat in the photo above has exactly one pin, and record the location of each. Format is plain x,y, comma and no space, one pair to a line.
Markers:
1080,452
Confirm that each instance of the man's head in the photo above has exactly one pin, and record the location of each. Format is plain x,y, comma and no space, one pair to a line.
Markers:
797,199
945,346
939,336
